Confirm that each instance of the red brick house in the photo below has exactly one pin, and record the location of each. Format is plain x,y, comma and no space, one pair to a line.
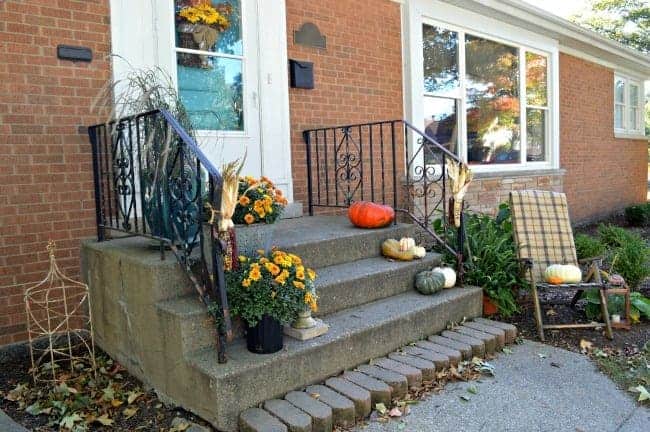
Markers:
527,99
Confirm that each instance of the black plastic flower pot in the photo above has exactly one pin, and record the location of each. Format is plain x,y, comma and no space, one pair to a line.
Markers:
266,337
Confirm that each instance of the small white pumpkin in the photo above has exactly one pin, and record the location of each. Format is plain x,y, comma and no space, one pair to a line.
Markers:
449,273
565,273
419,251
406,243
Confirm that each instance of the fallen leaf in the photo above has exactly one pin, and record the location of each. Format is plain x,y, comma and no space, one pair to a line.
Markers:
104,420
108,393
69,420
472,389
132,396
381,408
643,392
395,412
585,345
17,393
557,365
464,398
551,312
116,403
129,412
541,355
506,350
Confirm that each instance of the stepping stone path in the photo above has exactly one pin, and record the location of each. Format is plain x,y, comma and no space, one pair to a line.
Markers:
352,395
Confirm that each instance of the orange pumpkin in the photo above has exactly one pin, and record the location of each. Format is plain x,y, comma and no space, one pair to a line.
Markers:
555,280
364,214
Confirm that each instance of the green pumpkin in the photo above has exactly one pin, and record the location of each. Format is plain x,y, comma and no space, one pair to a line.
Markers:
429,282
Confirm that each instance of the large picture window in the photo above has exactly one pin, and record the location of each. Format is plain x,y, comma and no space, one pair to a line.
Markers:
495,93
210,62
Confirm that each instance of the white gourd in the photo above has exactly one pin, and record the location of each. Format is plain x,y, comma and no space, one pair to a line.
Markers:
566,273
449,273
406,243
419,251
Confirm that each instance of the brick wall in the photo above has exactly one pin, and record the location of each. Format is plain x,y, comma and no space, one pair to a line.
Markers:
604,174
358,78
487,191
46,189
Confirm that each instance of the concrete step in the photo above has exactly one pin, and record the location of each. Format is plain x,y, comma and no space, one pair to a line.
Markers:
343,414
321,241
509,329
357,334
465,349
297,420
355,283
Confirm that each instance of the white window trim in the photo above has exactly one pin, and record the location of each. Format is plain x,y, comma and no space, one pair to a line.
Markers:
626,131
419,12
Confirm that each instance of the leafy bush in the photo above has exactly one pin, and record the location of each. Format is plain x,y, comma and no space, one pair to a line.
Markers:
588,247
640,305
638,215
492,261
628,253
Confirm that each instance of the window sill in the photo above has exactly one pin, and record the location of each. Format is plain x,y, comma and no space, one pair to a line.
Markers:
520,173
633,136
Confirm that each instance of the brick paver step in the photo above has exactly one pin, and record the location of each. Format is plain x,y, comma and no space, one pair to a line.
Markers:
491,342
358,395
295,419
465,349
453,355
258,420
497,332
320,413
380,392
397,382
426,367
413,375
478,346
511,331
343,413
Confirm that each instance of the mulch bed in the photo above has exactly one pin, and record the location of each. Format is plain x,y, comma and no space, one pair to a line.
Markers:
150,413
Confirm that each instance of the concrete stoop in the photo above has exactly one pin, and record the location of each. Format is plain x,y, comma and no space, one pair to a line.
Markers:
343,399
148,318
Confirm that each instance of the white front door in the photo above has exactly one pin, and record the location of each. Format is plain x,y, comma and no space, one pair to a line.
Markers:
234,85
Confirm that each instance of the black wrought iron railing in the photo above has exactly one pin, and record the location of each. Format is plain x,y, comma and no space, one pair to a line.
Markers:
152,180
389,162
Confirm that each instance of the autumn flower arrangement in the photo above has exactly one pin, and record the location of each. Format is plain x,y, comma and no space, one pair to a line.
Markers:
259,201
274,284
202,12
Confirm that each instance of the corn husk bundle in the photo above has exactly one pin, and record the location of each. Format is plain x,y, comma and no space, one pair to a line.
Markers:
229,195
460,177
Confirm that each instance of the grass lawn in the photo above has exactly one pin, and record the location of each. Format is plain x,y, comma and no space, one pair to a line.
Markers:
628,372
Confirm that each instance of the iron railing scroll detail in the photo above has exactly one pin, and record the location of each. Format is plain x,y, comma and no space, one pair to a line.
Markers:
152,180
389,162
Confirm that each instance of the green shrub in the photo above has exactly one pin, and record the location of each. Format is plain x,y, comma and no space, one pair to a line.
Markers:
640,305
588,247
638,215
491,261
628,253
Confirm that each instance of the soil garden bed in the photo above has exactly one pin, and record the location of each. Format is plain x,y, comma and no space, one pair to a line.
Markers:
115,400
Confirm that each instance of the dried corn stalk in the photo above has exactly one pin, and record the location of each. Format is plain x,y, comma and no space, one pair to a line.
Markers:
460,177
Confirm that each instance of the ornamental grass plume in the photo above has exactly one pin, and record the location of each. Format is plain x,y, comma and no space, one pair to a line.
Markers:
230,192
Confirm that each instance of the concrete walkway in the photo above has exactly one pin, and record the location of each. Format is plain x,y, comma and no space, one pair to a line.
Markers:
536,388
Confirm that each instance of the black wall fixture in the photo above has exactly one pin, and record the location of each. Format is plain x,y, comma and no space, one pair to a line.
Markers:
310,35
74,53
302,74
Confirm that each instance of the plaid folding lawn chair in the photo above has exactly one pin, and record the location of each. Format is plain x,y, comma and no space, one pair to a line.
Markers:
543,235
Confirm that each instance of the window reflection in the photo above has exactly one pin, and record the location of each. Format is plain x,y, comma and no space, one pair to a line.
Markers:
493,119
441,124
440,60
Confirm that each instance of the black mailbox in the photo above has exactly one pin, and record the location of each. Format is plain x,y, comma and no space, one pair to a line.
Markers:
302,74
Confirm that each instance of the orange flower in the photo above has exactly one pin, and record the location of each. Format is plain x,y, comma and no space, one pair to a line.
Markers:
244,200
249,218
